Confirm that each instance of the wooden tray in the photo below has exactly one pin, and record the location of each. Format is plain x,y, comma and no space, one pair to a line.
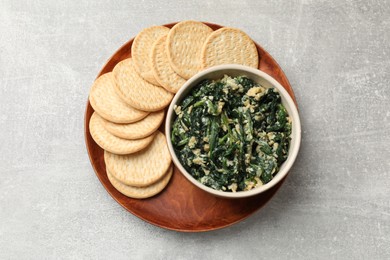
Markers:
182,206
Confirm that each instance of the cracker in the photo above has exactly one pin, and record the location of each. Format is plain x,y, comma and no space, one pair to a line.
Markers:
137,130
184,47
141,192
229,46
141,50
114,144
136,91
143,168
108,104
162,70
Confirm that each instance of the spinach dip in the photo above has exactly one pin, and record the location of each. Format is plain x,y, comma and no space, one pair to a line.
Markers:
231,134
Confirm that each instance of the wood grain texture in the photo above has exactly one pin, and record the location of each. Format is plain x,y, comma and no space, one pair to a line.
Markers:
182,206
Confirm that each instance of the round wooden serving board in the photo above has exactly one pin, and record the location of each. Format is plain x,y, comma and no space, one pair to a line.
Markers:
182,206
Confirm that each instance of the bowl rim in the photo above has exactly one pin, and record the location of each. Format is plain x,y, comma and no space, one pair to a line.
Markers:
293,151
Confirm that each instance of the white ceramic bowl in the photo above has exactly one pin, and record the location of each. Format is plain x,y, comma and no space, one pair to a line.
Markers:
266,81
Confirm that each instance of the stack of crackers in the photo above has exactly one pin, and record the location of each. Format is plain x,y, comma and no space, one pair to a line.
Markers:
130,101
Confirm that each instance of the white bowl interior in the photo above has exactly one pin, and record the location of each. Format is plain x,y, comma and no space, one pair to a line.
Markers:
266,81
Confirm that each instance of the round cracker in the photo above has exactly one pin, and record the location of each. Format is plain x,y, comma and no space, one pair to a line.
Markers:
136,91
162,70
106,102
137,130
141,50
184,47
141,192
114,144
143,168
229,46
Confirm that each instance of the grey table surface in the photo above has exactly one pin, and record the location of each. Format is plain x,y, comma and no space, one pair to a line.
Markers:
335,203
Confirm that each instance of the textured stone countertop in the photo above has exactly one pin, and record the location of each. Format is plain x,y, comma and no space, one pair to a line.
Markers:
335,203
